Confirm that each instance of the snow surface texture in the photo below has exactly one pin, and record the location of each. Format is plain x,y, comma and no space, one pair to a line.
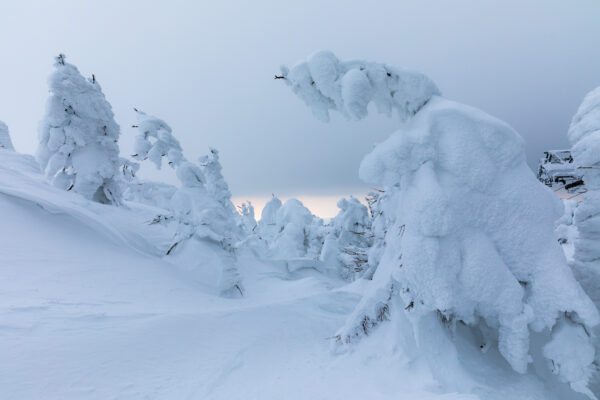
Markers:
78,136
5,142
470,234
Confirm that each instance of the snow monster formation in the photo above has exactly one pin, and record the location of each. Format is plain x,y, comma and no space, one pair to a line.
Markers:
78,137
584,135
469,249
201,208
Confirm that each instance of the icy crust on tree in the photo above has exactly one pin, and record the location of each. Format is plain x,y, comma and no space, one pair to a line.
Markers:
325,83
476,241
78,136
469,230
584,135
156,141
5,142
346,244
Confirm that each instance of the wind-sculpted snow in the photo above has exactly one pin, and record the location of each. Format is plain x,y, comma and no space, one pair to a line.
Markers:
78,136
325,83
469,230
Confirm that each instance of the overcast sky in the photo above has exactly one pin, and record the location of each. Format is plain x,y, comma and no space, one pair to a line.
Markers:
206,67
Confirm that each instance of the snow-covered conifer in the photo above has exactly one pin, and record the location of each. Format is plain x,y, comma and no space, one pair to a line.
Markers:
346,244
155,141
469,235
198,212
292,220
247,219
78,136
215,183
5,142
584,135
267,226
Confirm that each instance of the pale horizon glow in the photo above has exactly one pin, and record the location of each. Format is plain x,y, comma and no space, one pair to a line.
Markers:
322,206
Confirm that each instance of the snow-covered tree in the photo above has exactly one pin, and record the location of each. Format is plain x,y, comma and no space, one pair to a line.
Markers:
469,233
346,244
297,231
215,183
267,227
247,219
584,135
78,136
155,141
5,142
198,212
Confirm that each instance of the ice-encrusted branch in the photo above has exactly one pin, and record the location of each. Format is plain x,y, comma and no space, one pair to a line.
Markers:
325,83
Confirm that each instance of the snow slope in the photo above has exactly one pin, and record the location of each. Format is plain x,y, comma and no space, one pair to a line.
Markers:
90,309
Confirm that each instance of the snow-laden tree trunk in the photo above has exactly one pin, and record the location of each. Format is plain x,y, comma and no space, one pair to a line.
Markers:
469,230
78,136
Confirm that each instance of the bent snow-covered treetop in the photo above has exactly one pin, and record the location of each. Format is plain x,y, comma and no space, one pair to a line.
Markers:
325,83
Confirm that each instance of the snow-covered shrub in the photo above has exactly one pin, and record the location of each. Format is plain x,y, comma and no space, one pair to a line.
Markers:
469,232
5,142
345,248
78,136
584,135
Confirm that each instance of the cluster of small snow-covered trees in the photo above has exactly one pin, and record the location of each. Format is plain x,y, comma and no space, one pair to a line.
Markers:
78,150
465,233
